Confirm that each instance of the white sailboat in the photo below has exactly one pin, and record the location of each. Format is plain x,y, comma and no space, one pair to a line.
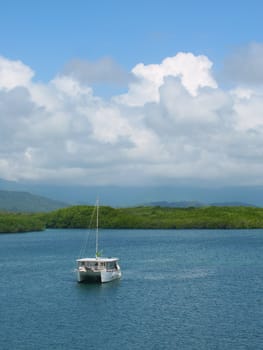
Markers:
98,269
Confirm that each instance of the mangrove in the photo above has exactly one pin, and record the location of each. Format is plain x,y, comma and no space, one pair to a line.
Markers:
210,217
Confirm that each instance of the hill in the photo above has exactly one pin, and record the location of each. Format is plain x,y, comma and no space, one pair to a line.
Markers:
195,204
180,204
124,196
16,201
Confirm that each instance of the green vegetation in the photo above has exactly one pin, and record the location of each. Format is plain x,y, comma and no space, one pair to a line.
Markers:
137,218
157,217
12,223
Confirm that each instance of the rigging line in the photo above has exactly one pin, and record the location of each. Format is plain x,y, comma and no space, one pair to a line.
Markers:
85,243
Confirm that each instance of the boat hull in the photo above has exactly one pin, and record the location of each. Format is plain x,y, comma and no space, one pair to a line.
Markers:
98,276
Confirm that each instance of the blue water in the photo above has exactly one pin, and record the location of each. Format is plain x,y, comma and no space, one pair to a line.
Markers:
192,289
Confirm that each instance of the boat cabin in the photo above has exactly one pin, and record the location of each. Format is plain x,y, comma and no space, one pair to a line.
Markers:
98,264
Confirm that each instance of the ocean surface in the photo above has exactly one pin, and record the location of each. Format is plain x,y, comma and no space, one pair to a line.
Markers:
181,289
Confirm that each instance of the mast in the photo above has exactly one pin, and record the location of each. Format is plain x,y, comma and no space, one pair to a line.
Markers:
97,229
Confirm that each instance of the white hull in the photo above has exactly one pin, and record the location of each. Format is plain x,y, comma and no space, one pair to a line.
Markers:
97,276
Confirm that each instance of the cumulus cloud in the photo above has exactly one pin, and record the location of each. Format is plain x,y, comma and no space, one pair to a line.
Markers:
173,123
14,73
194,72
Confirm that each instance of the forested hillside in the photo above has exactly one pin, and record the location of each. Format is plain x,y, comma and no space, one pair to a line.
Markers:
15,201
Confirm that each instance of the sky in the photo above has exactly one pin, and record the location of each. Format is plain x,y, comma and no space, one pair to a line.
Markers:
131,93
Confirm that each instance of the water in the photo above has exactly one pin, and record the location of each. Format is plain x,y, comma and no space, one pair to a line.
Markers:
192,289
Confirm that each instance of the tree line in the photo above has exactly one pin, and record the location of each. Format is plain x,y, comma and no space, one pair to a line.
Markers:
14,223
136,218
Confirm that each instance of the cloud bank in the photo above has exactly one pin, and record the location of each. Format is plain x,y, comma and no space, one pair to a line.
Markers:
173,124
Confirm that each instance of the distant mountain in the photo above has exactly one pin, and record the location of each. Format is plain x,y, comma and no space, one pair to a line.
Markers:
15,201
181,204
195,204
232,204
123,196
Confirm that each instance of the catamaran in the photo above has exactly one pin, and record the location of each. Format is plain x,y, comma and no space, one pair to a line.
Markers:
98,269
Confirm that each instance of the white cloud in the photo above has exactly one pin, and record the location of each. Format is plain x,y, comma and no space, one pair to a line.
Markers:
194,72
249,112
174,123
14,73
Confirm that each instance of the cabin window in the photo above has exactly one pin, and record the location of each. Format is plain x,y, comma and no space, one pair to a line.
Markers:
111,265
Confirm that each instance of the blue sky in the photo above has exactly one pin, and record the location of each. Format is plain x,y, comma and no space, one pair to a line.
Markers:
46,34
131,92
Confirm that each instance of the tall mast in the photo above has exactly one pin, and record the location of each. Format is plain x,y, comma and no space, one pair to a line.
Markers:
97,229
